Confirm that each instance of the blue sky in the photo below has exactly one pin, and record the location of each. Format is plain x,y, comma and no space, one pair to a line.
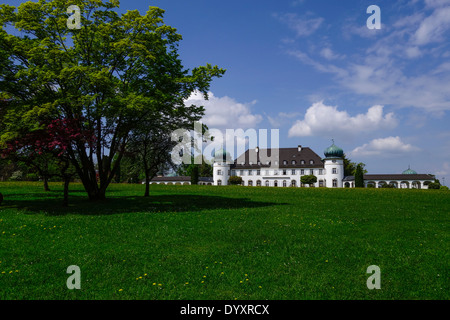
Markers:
315,71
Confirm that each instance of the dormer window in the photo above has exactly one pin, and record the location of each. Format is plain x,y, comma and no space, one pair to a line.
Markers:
302,162
294,162
311,161
285,162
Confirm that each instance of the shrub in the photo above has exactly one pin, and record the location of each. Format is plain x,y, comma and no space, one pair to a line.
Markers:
434,185
235,180
444,188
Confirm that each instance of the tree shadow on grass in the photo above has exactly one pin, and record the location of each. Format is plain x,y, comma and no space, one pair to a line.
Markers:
130,204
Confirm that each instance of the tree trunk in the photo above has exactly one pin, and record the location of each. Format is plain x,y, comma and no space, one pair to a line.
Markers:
46,187
147,186
66,191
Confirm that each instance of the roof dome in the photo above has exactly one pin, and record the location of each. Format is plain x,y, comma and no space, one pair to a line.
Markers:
221,155
409,171
333,151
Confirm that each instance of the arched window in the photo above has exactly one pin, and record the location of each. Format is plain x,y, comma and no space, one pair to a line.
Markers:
219,182
302,162
311,161
285,162
275,183
293,183
258,183
334,183
267,183
284,183
250,183
294,162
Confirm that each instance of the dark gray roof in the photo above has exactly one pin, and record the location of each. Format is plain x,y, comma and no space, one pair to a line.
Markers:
398,177
285,154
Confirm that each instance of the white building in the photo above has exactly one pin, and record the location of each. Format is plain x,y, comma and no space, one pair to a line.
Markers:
284,167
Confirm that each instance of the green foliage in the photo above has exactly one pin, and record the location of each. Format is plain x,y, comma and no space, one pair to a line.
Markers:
434,186
350,167
308,179
118,75
235,180
359,176
445,188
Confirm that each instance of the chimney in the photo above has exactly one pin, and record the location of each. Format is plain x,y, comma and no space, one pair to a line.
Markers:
299,148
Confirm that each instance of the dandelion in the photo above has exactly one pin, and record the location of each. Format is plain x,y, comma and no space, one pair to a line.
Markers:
120,290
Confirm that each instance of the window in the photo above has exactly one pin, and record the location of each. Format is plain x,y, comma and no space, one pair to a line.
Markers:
267,183
284,172
320,172
250,172
258,172
311,172
275,183
241,172
250,183
302,162
258,183
320,183
334,183
294,162
285,162
219,182
293,171
311,161
334,170
219,172
293,183
302,171
284,183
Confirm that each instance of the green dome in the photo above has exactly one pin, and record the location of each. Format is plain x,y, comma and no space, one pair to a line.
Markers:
409,171
333,152
221,155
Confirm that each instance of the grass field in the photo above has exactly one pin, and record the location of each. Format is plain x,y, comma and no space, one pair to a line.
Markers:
203,242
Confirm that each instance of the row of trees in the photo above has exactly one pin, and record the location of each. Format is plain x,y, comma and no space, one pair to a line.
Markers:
81,102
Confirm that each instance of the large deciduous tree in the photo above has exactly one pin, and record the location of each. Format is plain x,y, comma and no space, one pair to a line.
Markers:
106,79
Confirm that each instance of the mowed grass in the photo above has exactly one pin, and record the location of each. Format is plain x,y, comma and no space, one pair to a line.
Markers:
206,242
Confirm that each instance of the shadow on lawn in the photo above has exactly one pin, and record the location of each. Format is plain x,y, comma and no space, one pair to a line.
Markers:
129,204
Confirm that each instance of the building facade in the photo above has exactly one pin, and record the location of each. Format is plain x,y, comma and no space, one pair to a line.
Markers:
284,167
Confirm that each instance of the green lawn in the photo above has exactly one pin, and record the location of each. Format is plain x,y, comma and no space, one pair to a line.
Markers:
204,242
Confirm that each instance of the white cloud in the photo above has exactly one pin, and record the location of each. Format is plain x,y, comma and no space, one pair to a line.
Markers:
328,54
433,28
385,147
328,121
225,112
302,25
